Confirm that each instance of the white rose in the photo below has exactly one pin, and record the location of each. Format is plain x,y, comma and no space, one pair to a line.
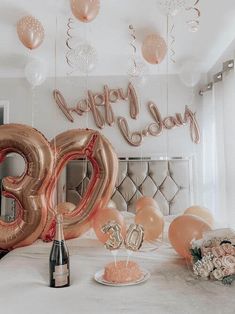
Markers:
218,274
208,265
203,272
217,262
195,270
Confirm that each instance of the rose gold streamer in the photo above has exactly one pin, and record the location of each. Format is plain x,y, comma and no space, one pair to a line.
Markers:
132,44
194,9
68,40
172,42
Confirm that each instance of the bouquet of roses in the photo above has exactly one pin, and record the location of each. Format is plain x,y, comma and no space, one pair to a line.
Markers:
214,256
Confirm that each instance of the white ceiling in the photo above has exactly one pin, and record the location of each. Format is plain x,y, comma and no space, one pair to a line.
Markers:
109,34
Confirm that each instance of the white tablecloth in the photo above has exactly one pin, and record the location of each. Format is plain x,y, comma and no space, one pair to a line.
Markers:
171,288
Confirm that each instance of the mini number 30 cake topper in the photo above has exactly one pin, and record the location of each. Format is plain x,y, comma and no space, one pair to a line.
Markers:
133,240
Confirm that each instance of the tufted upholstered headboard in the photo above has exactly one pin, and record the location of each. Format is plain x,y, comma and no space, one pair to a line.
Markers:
167,181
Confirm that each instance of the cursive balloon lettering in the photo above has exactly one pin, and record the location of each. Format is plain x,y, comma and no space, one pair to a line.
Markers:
94,100
156,128
110,96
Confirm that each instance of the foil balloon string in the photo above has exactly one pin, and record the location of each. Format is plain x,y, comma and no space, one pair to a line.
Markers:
134,239
194,22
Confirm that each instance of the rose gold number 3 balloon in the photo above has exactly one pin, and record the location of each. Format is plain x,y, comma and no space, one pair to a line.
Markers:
33,190
29,189
91,144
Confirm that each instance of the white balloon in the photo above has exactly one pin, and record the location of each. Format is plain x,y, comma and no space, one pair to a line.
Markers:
190,73
83,58
35,72
171,7
137,72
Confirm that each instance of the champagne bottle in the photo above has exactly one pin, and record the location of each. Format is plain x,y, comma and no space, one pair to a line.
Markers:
59,258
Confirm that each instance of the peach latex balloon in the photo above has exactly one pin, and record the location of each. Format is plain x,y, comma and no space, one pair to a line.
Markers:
154,49
103,217
144,201
152,221
85,10
183,230
92,145
201,212
30,32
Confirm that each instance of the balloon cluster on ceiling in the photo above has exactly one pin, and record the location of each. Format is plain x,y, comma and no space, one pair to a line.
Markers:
83,56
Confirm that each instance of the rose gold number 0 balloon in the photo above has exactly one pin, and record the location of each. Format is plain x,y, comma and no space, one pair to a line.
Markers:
91,144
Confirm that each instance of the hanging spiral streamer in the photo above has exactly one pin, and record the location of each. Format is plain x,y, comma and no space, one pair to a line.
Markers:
172,43
193,23
132,44
68,41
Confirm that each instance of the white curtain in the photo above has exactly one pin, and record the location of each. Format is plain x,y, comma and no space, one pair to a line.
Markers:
217,151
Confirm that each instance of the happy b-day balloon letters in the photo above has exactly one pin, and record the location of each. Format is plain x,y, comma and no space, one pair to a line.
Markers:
95,101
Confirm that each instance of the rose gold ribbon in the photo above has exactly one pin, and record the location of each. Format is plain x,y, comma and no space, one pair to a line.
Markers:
68,40
132,44
197,12
172,43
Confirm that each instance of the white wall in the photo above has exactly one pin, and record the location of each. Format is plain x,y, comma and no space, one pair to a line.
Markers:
50,120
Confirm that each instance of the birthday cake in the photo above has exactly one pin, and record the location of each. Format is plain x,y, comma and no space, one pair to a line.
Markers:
122,272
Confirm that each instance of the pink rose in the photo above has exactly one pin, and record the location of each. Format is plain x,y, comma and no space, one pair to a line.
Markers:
205,251
227,271
228,261
218,251
228,248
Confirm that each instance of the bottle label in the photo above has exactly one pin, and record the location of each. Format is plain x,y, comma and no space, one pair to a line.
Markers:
60,275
